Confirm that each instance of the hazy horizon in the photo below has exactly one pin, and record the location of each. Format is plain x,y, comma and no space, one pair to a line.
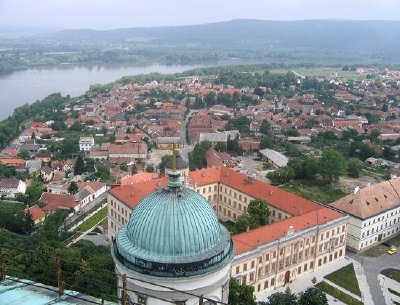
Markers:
108,14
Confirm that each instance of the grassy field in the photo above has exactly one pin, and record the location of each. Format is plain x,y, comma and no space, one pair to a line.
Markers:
394,274
315,191
346,278
324,72
338,294
92,221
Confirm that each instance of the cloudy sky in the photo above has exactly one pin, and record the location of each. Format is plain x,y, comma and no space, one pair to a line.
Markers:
106,14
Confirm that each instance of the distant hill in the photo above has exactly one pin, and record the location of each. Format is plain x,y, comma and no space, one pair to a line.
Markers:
376,36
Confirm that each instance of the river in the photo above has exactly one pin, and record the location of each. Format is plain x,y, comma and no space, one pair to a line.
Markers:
27,86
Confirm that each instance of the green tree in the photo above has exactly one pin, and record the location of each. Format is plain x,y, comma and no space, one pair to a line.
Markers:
241,294
24,154
79,167
266,128
282,298
258,209
149,168
245,222
197,157
73,188
313,296
33,192
332,165
266,142
220,147
281,175
388,153
164,160
28,224
354,167
374,134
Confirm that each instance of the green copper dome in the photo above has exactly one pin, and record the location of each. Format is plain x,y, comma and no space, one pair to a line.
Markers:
173,232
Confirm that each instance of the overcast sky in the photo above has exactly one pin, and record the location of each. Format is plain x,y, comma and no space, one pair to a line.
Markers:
107,14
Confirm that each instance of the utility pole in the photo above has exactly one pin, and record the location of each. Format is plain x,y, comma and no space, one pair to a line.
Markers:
124,290
60,283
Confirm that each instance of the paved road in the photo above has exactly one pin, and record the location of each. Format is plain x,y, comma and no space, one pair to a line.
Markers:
186,146
372,267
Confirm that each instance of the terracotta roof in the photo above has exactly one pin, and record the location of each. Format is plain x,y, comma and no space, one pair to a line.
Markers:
252,239
36,212
55,201
12,161
371,200
137,178
132,194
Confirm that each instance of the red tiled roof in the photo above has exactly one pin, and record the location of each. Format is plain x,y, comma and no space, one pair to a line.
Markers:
12,161
55,201
283,200
252,239
140,177
132,194
36,212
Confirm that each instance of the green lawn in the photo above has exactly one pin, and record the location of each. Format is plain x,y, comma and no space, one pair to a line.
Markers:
376,251
338,294
394,274
395,241
345,277
315,191
92,221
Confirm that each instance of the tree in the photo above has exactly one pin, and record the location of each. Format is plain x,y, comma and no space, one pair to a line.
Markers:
164,160
373,136
28,224
197,157
23,153
73,188
265,128
259,91
245,222
332,165
33,192
258,209
241,294
281,175
388,153
354,167
282,298
149,168
266,142
313,296
220,147
79,168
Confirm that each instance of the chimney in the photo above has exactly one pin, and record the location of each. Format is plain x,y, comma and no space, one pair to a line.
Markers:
270,192
356,189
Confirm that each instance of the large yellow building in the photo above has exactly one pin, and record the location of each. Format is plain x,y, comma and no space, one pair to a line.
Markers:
302,235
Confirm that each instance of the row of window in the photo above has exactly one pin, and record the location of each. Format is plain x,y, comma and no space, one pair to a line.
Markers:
381,228
380,218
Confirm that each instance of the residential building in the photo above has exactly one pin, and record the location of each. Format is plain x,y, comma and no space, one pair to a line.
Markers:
52,202
86,143
10,187
37,214
374,214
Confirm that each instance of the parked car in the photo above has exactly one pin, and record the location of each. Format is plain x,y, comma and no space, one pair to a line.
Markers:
392,251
